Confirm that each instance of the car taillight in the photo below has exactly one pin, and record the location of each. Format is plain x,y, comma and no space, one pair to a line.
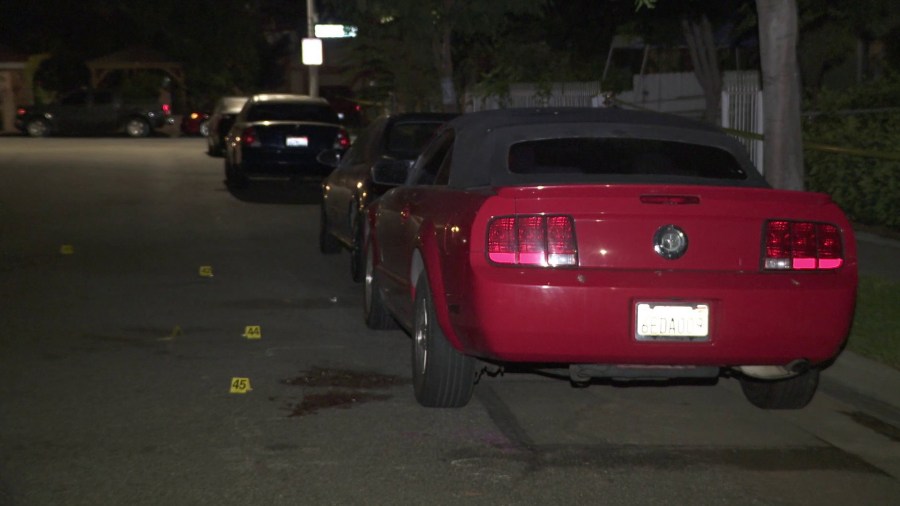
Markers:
166,109
342,141
21,111
802,245
249,138
547,241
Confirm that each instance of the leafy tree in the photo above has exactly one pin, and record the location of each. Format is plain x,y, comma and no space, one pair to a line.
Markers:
778,34
217,41
397,36
837,31
691,22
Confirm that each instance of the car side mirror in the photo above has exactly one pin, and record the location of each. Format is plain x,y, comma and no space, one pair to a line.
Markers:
390,172
330,157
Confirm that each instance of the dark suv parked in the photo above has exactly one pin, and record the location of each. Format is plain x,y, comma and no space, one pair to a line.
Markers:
91,112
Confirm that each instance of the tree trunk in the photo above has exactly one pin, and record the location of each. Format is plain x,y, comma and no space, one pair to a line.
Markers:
705,59
443,55
445,70
783,151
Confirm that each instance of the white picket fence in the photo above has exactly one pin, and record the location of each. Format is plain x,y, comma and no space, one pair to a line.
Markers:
742,109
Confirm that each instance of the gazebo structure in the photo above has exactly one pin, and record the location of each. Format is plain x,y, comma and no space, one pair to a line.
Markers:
133,59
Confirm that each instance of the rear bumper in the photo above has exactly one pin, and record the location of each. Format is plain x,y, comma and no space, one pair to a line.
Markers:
281,163
588,316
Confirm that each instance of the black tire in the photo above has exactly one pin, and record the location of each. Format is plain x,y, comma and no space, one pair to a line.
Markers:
37,128
357,259
212,149
328,244
137,127
375,313
442,376
233,179
791,393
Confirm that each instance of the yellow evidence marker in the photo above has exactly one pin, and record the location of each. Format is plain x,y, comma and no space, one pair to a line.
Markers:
252,332
206,271
66,249
240,385
175,333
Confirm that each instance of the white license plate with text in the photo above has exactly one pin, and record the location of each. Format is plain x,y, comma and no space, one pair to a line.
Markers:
296,142
671,322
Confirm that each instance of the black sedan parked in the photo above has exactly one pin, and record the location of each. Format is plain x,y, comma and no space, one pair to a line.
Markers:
220,121
389,141
281,135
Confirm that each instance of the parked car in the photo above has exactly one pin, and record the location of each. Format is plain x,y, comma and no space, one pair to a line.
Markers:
281,135
195,123
220,121
611,243
389,140
342,100
84,112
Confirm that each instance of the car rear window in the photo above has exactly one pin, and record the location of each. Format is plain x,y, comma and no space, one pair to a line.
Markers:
622,156
285,111
406,140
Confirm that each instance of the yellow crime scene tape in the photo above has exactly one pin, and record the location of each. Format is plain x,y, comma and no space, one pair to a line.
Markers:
813,146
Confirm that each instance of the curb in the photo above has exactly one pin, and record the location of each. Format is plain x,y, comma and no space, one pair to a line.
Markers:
871,238
866,384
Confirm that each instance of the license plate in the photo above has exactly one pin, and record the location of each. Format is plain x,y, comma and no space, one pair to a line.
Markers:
295,142
671,322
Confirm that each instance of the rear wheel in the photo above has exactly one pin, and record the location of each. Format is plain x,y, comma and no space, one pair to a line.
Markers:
791,393
442,376
137,127
375,313
212,147
37,128
328,244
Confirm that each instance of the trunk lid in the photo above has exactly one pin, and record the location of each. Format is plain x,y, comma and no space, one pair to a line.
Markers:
289,135
618,226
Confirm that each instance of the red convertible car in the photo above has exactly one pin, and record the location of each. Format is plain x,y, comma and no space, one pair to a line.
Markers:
607,244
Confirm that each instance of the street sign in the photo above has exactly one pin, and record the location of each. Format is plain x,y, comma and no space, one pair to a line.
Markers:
312,51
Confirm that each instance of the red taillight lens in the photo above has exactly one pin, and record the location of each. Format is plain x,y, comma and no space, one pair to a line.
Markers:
166,109
21,111
830,247
561,249
802,245
547,241
249,138
342,141
502,240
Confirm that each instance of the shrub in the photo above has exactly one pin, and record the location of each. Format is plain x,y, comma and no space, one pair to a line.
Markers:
864,117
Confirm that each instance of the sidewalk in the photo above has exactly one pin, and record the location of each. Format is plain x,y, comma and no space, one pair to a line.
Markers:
863,382
878,256
866,384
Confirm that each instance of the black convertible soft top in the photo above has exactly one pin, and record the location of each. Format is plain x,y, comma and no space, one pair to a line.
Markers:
482,142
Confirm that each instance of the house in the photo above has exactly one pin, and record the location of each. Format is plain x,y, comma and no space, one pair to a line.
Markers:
14,86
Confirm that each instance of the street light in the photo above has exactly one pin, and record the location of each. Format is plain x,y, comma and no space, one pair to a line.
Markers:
311,34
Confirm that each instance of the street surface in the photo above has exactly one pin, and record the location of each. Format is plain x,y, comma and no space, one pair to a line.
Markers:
138,293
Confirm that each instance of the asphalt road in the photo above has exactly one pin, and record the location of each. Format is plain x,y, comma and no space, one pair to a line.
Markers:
136,289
